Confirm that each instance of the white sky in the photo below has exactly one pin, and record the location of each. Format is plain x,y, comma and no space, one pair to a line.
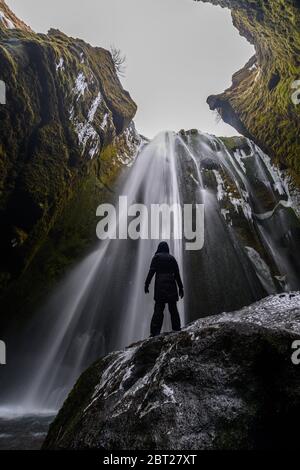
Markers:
178,52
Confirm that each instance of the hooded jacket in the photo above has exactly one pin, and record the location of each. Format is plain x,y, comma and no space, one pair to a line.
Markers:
167,277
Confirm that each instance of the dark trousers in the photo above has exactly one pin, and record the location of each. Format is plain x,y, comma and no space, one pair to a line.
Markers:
158,317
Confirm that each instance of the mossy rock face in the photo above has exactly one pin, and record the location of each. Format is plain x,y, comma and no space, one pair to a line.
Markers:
72,235
259,103
65,111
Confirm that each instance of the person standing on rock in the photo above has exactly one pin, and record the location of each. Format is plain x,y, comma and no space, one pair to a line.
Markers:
167,279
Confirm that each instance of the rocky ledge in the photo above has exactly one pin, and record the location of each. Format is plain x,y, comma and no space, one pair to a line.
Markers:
224,382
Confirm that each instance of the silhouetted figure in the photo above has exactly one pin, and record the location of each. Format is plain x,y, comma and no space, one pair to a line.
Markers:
167,279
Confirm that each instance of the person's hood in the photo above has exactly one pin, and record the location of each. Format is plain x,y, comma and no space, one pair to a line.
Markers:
163,247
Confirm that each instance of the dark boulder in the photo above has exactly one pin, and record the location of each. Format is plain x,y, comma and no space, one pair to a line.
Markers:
224,382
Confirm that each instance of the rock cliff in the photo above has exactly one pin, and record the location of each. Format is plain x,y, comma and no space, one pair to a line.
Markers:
67,124
224,382
260,103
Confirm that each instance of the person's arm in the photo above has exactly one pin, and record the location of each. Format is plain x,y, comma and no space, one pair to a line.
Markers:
151,273
178,278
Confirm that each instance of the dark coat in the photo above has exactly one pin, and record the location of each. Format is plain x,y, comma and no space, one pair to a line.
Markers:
167,277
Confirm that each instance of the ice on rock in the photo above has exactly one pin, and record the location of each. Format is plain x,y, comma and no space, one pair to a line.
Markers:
134,143
239,157
112,374
71,113
243,205
85,131
168,392
194,179
60,64
262,270
221,187
93,151
270,312
224,213
94,107
80,86
104,123
253,67
9,24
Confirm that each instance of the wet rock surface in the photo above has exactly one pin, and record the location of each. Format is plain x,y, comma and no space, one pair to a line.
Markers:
260,100
224,382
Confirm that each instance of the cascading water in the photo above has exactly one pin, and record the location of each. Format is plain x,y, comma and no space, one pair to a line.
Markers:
250,250
101,306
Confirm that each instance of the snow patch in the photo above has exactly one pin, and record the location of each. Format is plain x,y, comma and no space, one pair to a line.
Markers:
239,155
253,67
104,122
60,65
194,179
71,113
168,392
243,205
7,22
80,86
94,107
262,270
225,213
221,187
133,142
85,131
111,374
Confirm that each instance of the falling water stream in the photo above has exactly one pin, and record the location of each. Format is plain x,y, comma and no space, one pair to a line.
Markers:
250,250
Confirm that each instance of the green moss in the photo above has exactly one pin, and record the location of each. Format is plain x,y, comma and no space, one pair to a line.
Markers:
71,236
234,143
42,166
259,102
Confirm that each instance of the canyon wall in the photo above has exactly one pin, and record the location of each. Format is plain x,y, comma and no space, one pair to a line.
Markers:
262,101
66,135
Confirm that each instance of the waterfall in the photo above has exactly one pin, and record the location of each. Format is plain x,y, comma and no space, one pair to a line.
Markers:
250,250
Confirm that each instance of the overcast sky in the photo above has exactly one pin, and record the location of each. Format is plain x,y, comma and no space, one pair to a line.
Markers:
178,52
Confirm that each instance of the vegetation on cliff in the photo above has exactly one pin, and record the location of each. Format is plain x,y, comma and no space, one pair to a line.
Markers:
259,103
66,135
65,109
